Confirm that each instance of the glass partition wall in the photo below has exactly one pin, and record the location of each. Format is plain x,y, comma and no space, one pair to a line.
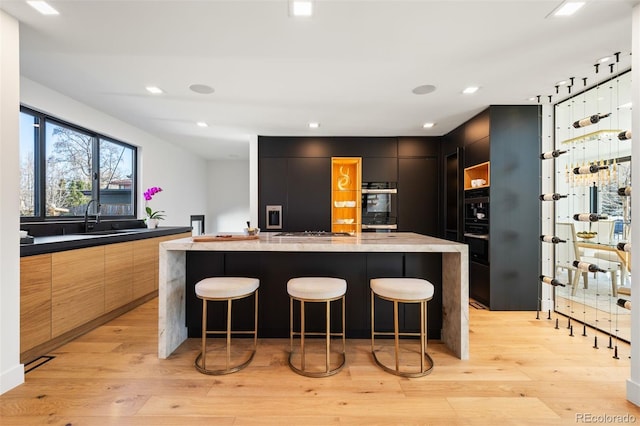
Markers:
593,127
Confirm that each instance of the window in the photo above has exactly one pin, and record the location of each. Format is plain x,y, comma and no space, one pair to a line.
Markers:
64,167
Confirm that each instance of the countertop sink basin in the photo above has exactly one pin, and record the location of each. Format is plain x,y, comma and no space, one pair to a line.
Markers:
114,231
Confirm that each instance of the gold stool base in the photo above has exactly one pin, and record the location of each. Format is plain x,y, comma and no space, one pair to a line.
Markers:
327,335
421,373
198,365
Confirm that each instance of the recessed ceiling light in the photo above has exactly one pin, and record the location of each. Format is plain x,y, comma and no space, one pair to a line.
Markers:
314,125
428,125
203,89
533,98
469,90
424,89
43,7
154,89
561,83
202,124
301,8
605,59
568,8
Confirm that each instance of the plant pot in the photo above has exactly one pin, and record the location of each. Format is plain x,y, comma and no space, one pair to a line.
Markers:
152,223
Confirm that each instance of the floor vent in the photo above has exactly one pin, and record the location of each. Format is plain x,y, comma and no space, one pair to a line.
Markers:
37,363
477,305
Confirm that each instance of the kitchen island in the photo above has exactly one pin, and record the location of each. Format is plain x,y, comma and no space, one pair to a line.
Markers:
274,259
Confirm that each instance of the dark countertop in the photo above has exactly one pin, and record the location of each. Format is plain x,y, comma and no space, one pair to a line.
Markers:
56,243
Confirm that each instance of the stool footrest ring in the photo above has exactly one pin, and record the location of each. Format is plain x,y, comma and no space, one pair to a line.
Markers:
229,370
308,373
426,371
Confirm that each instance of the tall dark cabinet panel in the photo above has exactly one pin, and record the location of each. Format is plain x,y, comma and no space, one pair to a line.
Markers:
309,200
417,190
514,220
452,182
509,138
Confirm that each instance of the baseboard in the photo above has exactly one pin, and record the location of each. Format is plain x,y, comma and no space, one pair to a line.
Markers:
633,392
11,378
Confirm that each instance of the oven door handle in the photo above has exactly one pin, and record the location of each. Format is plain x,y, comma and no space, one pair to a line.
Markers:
380,191
478,236
364,226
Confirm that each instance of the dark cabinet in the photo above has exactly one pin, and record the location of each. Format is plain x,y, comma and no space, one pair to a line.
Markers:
418,195
479,283
308,195
302,187
379,169
274,269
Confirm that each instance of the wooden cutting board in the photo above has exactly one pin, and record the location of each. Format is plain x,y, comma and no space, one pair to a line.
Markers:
222,237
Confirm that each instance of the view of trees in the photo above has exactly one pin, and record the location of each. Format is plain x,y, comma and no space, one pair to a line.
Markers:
69,171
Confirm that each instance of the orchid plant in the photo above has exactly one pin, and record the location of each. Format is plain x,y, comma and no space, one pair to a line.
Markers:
148,195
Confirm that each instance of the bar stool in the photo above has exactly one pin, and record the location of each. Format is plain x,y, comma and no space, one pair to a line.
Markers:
316,289
402,290
225,289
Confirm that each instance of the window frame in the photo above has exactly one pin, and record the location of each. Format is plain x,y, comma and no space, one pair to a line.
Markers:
40,159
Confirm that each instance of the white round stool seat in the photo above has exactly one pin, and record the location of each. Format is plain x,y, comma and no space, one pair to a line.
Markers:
402,288
316,288
226,287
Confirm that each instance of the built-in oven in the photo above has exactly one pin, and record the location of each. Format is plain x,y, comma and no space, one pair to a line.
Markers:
379,206
476,224
476,236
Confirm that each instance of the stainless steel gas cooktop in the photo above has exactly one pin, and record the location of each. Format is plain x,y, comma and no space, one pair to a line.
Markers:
313,234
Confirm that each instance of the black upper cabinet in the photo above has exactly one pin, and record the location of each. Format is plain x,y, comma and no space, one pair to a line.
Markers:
477,152
272,186
379,169
308,195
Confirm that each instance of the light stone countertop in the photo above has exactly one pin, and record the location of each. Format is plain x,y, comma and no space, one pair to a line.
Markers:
362,242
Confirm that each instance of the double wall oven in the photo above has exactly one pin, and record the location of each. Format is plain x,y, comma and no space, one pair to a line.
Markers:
379,206
476,224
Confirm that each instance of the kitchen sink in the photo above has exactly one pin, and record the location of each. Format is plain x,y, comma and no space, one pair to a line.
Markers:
115,231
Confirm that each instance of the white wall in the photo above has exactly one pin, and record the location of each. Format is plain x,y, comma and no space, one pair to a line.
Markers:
11,371
182,175
228,195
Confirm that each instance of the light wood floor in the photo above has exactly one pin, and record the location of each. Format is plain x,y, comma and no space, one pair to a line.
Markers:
522,371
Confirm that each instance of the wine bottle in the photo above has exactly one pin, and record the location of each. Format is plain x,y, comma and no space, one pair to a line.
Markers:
624,192
587,267
624,135
589,217
551,154
585,170
590,120
624,303
551,239
552,197
624,247
554,282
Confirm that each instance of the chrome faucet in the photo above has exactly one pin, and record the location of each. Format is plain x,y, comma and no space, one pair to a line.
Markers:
86,214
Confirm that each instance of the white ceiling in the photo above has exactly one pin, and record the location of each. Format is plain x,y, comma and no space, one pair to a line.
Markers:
352,66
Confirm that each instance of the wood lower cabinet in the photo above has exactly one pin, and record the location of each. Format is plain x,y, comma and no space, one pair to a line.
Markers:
77,288
145,266
65,294
35,301
118,275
